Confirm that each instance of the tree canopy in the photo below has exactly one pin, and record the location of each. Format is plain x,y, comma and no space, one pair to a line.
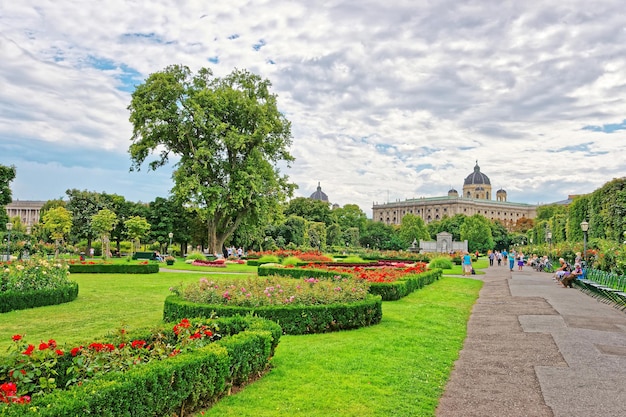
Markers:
7,174
227,136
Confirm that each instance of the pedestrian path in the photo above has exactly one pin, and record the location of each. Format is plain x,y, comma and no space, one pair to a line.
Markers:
534,348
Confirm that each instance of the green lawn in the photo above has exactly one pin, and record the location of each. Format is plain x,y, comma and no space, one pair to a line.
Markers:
396,368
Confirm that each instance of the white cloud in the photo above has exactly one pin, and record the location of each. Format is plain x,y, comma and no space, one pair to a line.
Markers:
388,100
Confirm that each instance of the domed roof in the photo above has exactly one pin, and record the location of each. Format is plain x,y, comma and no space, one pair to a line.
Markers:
452,191
319,194
477,177
501,191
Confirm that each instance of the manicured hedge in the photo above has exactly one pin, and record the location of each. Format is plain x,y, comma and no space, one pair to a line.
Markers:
174,386
151,268
390,291
20,300
293,319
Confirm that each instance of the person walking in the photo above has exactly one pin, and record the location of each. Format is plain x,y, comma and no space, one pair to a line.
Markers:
511,259
520,261
467,264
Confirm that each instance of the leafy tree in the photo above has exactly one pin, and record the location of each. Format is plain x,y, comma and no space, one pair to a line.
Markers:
309,209
500,235
412,227
378,235
58,222
334,235
83,205
7,174
229,137
477,231
102,224
50,204
349,216
447,224
316,235
351,236
136,228
293,230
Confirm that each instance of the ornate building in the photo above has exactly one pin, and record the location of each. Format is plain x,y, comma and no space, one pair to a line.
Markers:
28,211
319,194
475,199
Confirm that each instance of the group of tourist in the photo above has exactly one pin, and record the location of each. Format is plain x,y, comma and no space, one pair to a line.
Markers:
565,274
513,258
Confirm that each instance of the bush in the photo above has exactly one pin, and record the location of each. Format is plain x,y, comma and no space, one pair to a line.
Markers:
101,268
442,263
195,255
291,260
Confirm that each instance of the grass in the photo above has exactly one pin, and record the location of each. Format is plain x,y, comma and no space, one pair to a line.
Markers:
398,367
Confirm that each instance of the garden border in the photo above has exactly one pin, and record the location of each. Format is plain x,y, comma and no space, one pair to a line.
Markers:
151,268
188,381
21,300
294,320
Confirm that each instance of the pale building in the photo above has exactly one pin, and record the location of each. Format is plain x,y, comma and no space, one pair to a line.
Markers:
28,211
475,199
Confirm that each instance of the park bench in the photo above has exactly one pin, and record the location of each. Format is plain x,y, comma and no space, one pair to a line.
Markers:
144,255
605,286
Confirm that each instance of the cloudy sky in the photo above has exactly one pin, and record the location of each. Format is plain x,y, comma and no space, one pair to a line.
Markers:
388,100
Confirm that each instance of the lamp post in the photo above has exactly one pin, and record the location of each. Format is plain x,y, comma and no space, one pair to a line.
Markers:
549,236
169,248
584,226
9,226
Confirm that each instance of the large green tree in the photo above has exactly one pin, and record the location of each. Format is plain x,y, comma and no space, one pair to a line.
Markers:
477,231
103,223
412,228
7,174
349,216
227,137
312,210
58,222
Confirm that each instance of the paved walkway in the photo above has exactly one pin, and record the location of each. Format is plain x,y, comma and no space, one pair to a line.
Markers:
536,349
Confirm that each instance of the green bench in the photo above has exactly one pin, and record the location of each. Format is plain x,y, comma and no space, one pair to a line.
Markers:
144,255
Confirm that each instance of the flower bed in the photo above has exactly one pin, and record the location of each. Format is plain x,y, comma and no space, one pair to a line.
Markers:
219,263
168,371
388,282
35,283
300,307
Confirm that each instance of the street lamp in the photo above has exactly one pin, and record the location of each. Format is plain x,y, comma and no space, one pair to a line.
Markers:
169,248
584,226
549,236
9,226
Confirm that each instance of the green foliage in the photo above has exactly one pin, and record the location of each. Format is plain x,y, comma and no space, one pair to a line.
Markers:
477,231
412,228
293,319
350,216
229,136
299,272
7,174
378,235
268,259
316,235
20,300
441,262
309,209
293,230
291,261
195,256
447,224
58,222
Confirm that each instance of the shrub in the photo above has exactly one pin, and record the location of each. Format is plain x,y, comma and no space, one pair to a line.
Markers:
441,262
291,260
196,255
101,268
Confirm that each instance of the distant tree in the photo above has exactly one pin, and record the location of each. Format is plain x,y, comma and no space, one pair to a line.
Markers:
378,235
477,231
334,236
102,224
83,205
7,174
50,204
349,216
229,137
500,235
412,228
309,209
58,222
316,235
351,236
447,224
292,230
136,228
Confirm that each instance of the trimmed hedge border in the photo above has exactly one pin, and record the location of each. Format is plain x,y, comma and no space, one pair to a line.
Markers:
20,300
152,268
173,386
389,291
294,320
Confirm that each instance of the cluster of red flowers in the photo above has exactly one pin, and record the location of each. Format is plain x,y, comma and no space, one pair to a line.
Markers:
309,256
380,274
217,262
8,394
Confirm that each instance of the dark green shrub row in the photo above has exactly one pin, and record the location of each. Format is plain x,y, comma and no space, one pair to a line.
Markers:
174,386
152,268
20,300
300,273
293,319
392,291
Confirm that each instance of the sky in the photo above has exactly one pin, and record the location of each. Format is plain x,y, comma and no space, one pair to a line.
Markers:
388,100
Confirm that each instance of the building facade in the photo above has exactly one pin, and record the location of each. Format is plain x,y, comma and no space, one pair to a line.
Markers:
28,211
476,198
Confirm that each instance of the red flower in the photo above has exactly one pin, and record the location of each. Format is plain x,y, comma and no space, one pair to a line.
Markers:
208,333
29,350
43,346
52,343
138,344
121,346
76,351
59,352
17,337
